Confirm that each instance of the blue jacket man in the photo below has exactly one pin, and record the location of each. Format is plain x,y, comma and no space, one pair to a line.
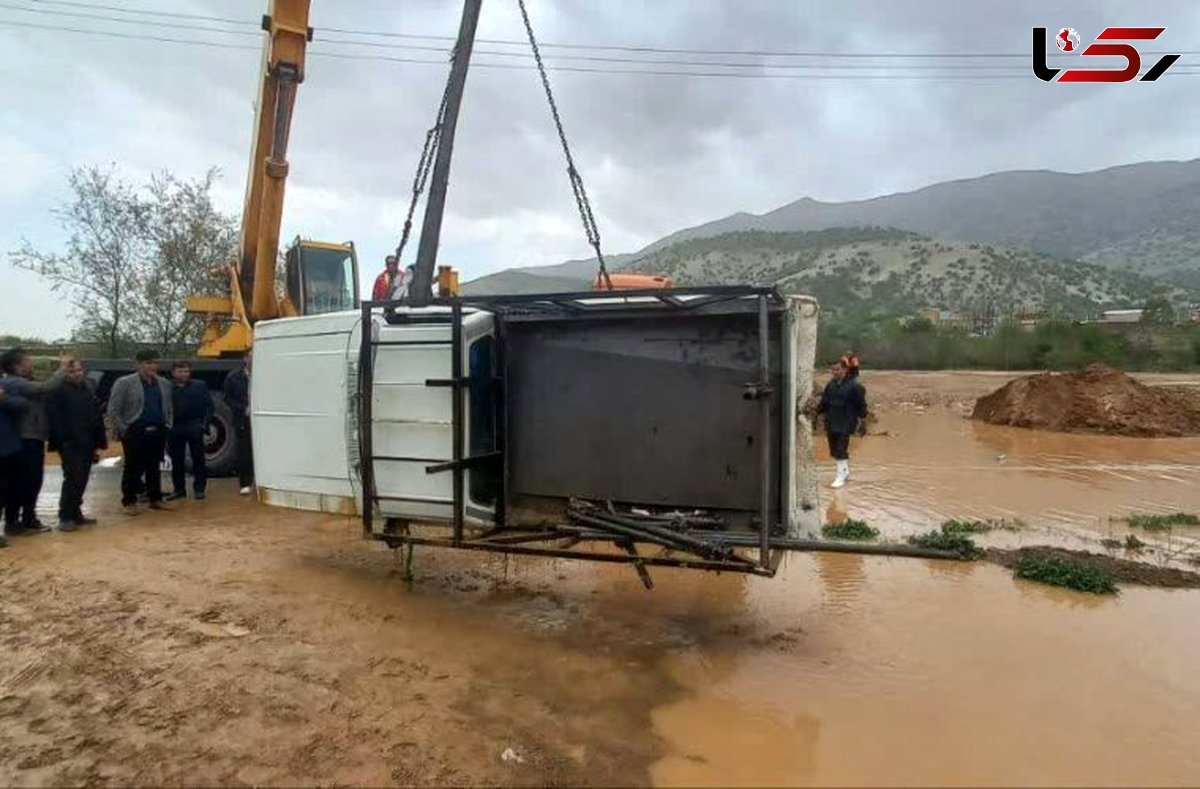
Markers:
193,407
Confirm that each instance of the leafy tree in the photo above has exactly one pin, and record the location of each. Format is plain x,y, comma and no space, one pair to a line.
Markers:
133,256
106,257
1158,311
191,239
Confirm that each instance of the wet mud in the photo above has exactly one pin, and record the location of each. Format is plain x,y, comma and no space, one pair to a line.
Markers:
230,643
1129,571
1097,399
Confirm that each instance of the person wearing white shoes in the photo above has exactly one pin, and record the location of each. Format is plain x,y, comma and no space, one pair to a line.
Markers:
844,406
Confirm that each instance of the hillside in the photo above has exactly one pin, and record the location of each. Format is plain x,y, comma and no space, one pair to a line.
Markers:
899,271
563,277
1138,217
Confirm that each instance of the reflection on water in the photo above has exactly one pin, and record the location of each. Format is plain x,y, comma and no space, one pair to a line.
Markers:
891,671
938,465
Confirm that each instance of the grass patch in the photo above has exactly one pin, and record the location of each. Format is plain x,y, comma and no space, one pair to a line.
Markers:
961,526
1163,522
857,531
1056,571
1130,543
961,544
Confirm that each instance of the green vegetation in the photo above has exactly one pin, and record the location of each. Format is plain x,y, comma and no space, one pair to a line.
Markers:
1163,522
957,526
1057,571
1130,543
882,341
858,531
960,544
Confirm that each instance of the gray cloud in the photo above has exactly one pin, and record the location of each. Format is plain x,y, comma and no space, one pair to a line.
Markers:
658,153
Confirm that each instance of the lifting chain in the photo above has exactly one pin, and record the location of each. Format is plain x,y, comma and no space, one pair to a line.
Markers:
581,198
424,166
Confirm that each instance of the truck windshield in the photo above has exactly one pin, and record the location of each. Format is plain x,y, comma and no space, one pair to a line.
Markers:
329,280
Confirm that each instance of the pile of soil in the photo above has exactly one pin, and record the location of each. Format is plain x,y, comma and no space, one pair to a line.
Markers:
1123,570
1097,399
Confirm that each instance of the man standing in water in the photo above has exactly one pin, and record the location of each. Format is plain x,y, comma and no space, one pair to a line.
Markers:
844,404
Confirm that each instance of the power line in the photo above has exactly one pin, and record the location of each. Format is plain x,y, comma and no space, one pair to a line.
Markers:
127,36
524,55
102,18
669,62
125,10
518,67
578,46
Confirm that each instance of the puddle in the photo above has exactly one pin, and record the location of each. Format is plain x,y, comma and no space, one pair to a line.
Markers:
901,672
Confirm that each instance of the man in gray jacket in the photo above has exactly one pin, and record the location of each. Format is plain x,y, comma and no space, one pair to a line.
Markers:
141,413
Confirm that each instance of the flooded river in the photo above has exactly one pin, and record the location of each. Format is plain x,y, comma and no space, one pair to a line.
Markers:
230,643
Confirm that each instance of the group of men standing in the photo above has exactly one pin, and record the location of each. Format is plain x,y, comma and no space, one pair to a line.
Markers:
147,413
61,411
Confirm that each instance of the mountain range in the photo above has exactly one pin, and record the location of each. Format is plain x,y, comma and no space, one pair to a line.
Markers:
1071,242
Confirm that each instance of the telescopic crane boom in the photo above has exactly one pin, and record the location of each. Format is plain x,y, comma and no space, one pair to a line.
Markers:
320,277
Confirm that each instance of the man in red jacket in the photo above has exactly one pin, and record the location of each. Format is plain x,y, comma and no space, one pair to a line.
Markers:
389,281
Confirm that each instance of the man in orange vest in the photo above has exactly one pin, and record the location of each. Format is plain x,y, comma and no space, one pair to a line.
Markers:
389,281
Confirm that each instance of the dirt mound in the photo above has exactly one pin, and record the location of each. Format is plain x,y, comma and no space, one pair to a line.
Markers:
1123,570
1097,399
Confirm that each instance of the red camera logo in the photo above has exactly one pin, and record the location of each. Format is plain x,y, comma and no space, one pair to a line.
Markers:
1068,41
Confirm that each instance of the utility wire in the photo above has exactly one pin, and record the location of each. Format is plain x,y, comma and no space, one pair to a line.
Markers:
578,46
147,12
527,55
571,69
103,18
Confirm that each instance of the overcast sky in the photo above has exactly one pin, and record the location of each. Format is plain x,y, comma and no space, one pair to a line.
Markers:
658,153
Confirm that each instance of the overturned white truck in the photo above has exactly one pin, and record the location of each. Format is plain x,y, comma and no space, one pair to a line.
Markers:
649,427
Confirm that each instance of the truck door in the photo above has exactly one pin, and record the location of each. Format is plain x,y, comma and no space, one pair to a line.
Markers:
432,417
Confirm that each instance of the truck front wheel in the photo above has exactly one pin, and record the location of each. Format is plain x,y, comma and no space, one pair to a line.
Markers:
220,440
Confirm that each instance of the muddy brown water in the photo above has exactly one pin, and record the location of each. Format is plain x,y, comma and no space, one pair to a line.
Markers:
229,643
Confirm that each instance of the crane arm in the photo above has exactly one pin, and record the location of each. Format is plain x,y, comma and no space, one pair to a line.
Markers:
287,33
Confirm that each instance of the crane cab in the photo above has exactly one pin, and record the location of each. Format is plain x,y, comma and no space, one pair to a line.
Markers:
320,278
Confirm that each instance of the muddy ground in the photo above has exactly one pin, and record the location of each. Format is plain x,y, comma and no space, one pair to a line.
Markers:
229,643
226,643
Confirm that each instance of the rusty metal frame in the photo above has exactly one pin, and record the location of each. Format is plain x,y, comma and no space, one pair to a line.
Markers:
701,549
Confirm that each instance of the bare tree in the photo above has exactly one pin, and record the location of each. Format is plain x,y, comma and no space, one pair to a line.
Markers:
191,240
133,257
106,257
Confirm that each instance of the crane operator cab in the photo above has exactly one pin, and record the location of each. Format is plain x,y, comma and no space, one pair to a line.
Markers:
320,278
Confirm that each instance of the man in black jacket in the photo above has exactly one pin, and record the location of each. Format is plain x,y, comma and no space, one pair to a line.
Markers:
77,434
844,404
193,411
237,397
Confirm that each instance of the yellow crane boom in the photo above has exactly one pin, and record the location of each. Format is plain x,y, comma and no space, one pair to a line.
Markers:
320,276
288,33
